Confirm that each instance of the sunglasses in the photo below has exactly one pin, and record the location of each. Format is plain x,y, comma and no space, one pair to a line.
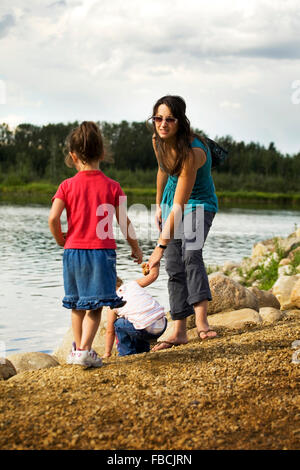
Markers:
159,120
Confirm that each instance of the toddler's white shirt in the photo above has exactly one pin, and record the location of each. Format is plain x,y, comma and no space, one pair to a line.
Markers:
141,309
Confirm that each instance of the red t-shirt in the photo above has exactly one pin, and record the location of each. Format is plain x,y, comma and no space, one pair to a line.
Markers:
90,199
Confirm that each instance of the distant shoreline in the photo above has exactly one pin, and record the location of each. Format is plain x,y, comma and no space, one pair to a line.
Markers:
41,193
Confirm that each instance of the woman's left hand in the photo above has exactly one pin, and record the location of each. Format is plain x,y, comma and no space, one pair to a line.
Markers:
156,256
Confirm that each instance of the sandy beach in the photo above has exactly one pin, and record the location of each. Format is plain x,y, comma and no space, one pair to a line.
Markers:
239,391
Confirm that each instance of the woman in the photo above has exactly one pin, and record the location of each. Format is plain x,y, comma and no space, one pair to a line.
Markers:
184,185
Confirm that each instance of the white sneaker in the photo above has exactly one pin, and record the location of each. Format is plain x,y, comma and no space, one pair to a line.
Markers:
71,356
97,361
86,358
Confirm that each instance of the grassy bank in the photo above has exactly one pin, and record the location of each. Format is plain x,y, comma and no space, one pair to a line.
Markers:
41,193
259,199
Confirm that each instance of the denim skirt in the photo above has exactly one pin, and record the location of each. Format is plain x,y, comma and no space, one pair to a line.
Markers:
90,279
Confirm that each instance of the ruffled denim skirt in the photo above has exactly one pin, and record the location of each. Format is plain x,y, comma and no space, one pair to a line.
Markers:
90,279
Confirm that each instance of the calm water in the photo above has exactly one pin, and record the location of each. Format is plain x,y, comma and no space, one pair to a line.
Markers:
31,288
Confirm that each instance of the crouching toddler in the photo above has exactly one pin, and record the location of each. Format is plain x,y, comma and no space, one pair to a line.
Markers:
140,321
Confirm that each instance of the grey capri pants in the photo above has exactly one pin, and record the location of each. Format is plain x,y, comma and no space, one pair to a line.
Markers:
188,282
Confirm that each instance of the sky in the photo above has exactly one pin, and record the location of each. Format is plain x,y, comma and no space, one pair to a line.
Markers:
236,63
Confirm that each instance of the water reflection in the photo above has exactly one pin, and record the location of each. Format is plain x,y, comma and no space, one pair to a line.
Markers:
32,318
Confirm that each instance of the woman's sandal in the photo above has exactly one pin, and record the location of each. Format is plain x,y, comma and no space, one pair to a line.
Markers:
205,332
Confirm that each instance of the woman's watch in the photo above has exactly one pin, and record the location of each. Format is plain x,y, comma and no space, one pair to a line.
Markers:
159,245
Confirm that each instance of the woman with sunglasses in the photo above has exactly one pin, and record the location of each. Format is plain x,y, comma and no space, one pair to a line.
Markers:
185,192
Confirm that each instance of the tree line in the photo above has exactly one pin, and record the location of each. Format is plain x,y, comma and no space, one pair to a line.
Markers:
36,153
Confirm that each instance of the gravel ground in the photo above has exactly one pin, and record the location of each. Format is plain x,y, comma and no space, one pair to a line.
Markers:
239,391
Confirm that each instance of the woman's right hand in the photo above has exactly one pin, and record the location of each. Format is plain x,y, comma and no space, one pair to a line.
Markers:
158,217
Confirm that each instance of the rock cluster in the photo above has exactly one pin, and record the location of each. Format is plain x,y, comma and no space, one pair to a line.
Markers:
237,300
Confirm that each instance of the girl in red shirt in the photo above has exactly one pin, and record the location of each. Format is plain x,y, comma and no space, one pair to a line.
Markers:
91,200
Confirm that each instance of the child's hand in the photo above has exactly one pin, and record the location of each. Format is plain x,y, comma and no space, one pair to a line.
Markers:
150,275
137,254
62,240
145,268
106,355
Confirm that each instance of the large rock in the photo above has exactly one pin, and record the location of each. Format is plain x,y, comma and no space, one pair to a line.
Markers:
290,243
270,314
235,319
293,253
265,298
32,360
287,291
228,295
7,369
295,294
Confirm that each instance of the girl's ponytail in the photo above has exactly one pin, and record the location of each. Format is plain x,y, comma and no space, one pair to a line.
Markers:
87,142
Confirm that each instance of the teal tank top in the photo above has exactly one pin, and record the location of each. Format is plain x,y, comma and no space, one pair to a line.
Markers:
203,192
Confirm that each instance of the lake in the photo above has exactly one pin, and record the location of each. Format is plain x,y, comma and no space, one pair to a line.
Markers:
31,315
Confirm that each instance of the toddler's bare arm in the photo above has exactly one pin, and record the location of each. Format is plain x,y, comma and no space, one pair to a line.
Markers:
149,275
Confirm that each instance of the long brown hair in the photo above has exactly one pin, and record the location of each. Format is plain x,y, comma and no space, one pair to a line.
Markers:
184,135
87,142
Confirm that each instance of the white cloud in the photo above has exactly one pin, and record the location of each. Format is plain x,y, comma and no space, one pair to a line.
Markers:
2,92
111,60
230,104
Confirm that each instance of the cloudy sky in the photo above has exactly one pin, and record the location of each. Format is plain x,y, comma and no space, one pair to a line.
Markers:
236,63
